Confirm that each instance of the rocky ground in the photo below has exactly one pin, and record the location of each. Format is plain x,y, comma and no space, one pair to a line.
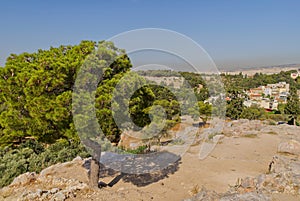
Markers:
253,160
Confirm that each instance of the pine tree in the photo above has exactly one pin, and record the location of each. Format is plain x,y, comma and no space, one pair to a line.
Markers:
292,107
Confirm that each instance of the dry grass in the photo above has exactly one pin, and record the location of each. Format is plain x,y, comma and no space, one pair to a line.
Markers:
195,190
272,133
250,136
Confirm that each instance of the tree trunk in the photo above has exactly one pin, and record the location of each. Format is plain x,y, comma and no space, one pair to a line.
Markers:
95,162
94,173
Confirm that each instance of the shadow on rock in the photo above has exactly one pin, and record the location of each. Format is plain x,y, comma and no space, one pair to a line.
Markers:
140,170
149,178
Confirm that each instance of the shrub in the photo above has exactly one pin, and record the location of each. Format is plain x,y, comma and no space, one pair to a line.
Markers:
139,150
276,117
32,156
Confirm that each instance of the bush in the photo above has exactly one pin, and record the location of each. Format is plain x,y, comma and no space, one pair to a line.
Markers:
32,156
253,113
276,117
139,150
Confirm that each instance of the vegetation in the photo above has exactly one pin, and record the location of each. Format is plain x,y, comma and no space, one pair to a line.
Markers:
202,109
243,82
253,112
36,119
140,150
235,86
292,107
36,92
235,104
32,156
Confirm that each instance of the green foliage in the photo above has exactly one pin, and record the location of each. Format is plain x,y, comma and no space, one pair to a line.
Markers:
36,103
236,84
36,119
202,110
252,113
235,106
276,117
31,156
243,82
36,94
280,107
139,150
292,107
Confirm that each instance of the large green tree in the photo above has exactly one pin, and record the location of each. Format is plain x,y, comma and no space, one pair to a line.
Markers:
36,93
37,88
202,110
235,105
292,107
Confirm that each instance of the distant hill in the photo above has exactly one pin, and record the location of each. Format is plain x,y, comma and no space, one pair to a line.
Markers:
264,69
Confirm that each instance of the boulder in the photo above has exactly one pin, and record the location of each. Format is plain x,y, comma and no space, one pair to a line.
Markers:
252,196
67,170
290,147
207,195
24,179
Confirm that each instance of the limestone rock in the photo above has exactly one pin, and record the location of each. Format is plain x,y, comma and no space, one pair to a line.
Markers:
252,196
24,179
290,147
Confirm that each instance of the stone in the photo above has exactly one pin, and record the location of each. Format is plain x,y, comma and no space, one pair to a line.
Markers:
24,179
248,183
78,158
205,195
60,196
54,190
252,196
290,147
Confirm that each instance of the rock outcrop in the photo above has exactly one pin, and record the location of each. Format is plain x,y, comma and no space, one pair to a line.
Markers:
60,182
245,127
284,168
289,147
284,178
206,195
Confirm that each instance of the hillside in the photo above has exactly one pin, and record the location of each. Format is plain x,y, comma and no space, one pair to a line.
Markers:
83,100
236,169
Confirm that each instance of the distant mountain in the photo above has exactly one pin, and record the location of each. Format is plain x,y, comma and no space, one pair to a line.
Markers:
262,69
248,68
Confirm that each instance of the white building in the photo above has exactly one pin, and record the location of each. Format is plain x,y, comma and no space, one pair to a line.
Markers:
295,75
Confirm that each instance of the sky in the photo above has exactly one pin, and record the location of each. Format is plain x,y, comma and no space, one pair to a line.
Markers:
235,33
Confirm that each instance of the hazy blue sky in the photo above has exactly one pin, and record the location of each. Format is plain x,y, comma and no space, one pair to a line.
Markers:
236,33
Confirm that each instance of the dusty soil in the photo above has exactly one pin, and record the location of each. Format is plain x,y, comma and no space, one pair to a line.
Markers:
232,158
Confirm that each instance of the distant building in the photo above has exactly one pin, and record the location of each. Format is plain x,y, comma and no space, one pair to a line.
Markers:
283,97
295,75
255,96
268,96
265,103
267,91
248,103
258,90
